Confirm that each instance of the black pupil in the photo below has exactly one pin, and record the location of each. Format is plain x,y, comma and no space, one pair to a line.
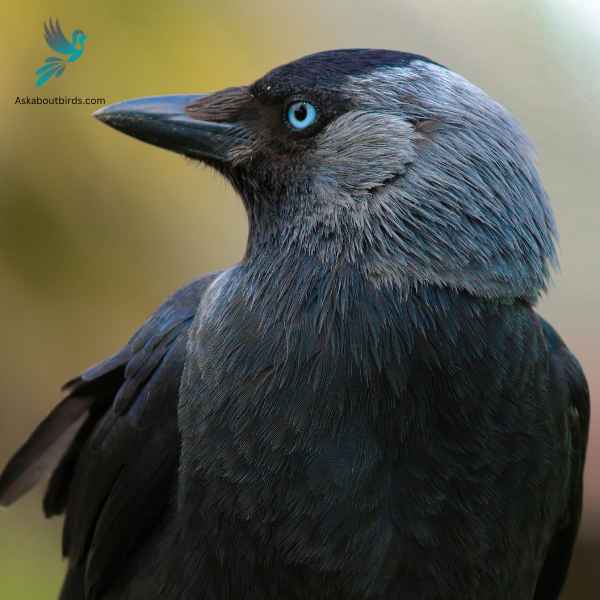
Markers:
301,113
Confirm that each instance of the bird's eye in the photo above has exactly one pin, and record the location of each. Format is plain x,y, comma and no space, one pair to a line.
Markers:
301,115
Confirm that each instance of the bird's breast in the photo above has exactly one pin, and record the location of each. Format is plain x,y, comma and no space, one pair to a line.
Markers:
349,440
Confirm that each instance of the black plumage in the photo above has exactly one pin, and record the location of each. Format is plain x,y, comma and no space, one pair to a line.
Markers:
367,406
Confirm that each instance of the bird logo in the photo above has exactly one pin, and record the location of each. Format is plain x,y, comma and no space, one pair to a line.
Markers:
54,66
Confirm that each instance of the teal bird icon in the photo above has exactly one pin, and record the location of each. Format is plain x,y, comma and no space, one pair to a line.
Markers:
54,66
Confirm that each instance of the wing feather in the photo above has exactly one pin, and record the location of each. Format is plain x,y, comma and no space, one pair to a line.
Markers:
45,447
569,377
113,467
55,38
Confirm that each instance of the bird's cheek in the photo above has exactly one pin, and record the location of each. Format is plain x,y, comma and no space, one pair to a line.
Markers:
385,143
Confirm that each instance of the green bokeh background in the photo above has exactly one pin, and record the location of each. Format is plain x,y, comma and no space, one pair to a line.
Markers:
96,228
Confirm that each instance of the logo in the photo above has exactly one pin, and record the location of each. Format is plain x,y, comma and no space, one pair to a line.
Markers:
54,66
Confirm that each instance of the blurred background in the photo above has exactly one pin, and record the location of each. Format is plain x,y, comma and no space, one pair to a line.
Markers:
96,228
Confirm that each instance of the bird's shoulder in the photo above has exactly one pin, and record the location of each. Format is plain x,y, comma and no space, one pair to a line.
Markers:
123,477
112,446
501,404
569,383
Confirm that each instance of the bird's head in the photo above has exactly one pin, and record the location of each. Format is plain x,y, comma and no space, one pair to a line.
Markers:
380,160
78,38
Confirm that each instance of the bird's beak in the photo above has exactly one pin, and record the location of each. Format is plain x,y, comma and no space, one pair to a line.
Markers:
166,121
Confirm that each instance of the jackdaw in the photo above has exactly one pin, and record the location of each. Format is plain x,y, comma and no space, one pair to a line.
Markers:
367,405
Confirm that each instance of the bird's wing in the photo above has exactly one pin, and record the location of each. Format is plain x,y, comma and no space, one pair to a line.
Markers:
514,417
56,39
112,446
570,377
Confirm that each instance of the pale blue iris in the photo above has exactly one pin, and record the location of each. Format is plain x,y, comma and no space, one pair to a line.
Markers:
301,114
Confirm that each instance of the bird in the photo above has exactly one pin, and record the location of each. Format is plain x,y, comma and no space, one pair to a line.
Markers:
54,66
368,404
